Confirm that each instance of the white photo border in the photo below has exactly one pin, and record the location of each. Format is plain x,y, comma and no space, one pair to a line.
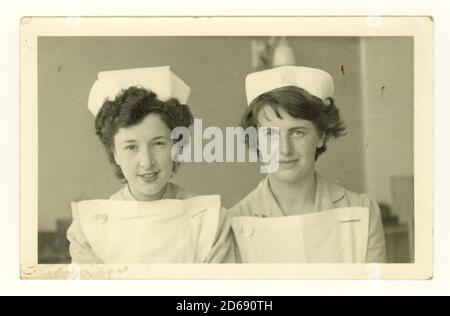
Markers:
421,28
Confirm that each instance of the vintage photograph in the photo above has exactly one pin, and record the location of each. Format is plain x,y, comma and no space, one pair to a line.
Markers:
231,151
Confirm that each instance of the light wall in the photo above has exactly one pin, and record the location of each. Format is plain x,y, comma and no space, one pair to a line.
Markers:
388,100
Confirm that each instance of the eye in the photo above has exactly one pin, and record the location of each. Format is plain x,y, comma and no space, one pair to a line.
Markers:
131,148
298,133
160,144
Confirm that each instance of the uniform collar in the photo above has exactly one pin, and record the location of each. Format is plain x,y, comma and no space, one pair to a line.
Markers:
327,194
168,195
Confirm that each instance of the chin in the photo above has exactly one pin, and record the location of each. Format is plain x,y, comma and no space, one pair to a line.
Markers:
148,189
152,191
290,176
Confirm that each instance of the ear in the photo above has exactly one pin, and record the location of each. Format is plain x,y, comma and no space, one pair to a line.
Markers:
321,141
115,156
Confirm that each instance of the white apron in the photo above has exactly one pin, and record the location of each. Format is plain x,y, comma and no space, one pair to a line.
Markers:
334,236
165,231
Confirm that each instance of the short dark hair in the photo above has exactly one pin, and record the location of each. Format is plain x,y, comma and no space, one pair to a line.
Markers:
299,103
130,108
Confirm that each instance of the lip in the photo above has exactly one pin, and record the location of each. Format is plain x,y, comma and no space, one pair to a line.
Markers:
288,162
150,176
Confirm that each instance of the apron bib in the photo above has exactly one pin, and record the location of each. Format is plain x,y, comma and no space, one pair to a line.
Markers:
165,231
334,236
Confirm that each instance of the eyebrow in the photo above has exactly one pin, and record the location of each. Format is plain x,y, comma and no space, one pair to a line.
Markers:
298,127
153,139
290,130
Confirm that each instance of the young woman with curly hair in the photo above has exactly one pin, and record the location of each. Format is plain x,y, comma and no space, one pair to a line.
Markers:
151,219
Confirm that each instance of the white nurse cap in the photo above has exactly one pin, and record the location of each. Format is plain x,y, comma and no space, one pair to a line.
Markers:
159,80
317,82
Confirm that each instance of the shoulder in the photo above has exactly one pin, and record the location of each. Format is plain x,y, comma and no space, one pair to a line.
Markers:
353,199
367,201
360,200
342,197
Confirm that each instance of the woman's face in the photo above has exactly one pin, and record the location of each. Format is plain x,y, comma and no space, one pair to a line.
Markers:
143,152
298,142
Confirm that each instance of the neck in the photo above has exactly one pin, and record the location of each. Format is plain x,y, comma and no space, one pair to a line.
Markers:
148,198
297,197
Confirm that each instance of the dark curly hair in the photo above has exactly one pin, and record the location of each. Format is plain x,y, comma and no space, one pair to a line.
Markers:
299,103
130,108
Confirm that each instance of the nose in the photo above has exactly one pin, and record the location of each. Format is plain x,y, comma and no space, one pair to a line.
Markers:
146,159
285,145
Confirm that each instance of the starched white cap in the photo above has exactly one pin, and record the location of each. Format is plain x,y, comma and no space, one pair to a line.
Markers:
317,82
160,80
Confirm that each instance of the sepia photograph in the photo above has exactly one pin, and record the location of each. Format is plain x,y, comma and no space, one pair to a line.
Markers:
240,148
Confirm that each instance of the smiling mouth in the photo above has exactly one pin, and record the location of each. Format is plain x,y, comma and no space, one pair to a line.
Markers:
149,176
288,162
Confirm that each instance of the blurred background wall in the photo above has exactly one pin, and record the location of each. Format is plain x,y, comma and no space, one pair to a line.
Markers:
374,90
